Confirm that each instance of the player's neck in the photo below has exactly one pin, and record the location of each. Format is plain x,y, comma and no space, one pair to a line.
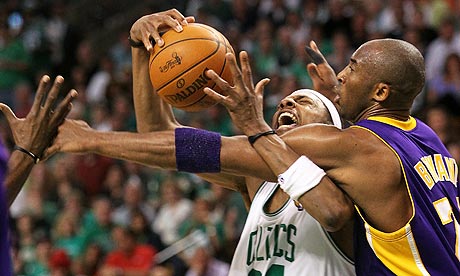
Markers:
378,111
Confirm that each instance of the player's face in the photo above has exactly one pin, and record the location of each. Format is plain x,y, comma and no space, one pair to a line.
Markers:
354,95
297,109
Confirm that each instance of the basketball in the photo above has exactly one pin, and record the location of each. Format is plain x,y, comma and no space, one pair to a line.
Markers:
177,70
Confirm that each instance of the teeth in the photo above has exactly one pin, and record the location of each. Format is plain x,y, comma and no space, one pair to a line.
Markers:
287,118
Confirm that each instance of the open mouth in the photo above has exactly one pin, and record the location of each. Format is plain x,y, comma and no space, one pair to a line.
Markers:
287,118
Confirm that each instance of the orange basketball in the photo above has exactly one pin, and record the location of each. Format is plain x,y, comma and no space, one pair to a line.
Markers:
177,70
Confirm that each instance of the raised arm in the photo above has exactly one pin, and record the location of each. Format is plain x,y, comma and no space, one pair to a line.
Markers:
152,113
321,73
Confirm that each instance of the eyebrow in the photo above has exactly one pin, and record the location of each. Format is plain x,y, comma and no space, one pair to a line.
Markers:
308,98
301,97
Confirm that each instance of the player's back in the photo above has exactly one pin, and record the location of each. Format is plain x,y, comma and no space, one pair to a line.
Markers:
428,244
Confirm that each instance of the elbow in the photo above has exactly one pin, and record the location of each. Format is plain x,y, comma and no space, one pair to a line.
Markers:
335,219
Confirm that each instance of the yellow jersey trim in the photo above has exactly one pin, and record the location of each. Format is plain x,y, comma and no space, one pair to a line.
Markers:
408,125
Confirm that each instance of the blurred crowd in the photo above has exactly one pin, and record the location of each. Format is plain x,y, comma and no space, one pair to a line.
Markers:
91,215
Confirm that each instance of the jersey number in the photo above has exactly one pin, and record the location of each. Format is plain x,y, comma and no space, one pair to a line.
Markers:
274,270
444,209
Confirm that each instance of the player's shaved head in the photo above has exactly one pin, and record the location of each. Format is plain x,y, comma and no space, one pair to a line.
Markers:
396,63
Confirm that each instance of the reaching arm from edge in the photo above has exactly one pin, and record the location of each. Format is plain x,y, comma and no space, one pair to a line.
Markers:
34,133
157,149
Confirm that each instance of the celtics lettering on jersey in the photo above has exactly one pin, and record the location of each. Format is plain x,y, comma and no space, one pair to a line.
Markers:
270,242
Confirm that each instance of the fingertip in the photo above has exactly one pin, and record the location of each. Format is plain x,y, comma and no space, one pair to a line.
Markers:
59,79
160,42
73,93
150,49
210,72
310,68
189,19
208,91
244,55
46,78
313,45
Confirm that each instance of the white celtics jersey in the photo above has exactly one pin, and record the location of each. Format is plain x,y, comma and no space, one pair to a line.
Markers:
287,242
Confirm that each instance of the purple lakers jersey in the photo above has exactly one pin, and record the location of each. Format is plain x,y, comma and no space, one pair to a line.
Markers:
5,258
429,243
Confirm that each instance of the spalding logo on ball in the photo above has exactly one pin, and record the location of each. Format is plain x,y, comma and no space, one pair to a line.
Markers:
177,70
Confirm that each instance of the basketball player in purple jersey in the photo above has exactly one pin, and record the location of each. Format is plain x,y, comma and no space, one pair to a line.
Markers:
399,174
32,135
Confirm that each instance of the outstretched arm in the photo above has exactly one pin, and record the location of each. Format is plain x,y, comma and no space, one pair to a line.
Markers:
237,157
34,133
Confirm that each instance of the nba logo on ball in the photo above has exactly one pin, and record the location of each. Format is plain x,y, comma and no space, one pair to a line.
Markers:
177,70
175,60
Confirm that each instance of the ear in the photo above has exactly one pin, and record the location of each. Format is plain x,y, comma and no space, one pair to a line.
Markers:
381,92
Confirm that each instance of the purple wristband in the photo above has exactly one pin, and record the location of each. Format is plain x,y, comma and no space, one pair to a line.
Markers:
197,150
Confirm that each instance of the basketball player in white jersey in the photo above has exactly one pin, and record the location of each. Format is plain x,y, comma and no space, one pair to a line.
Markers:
279,237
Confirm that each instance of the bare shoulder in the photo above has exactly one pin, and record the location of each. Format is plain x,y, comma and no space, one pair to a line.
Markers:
371,155
319,142
253,184
333,148
363,165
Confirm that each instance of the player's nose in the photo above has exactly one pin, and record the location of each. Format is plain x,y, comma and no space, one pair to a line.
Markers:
287,102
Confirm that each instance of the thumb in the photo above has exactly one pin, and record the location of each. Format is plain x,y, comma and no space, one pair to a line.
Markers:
51,150
259,89
312,70
9,114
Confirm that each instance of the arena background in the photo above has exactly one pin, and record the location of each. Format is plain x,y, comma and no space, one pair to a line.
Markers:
76,209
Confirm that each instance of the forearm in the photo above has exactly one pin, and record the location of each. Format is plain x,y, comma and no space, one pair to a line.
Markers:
326,202
19,167
275,152
150,149
152,113
158,149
